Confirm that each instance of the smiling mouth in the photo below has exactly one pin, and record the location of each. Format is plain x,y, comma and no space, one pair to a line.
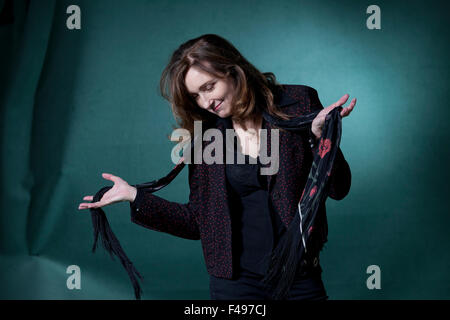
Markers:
218,106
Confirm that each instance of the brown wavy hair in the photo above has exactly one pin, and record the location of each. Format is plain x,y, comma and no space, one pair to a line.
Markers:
218,57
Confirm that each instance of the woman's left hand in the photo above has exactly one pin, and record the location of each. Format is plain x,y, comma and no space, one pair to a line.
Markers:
319,120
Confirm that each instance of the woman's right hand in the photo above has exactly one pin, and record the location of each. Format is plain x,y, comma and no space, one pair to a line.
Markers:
121,191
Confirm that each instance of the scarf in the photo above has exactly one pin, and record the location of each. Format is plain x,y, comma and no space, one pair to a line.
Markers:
287,255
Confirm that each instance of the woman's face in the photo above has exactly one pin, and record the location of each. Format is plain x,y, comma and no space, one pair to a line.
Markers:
209,92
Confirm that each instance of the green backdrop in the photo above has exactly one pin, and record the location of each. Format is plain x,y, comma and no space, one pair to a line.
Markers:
76,103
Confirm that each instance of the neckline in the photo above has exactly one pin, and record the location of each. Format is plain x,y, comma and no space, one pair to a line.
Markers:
228,124
247,156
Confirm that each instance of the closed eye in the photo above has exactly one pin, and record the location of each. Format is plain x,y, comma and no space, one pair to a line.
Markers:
208,88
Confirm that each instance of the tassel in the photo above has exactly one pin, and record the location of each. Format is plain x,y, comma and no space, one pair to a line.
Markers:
284,261
110,241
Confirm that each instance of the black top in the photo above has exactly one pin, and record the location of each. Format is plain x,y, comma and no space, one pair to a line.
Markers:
256,228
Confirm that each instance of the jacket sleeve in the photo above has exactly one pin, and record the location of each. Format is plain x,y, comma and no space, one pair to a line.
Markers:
156,213
340,176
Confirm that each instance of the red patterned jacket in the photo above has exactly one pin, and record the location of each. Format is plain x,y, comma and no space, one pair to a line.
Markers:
207,216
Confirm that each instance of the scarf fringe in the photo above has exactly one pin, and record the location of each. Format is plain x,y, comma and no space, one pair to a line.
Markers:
111,244
284,262
285,258
109,240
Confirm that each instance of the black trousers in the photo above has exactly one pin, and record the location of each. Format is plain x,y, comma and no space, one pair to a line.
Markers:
248,286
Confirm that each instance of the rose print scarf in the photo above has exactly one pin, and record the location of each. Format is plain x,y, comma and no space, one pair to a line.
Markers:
294,242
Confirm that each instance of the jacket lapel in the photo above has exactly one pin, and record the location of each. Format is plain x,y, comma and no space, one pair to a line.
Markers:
281,99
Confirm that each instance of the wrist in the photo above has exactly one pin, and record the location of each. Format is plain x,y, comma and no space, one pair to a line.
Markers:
133,193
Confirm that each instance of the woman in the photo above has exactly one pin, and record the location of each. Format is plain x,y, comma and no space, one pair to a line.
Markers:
238,213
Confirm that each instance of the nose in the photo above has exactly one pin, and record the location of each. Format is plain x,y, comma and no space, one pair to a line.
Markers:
204,101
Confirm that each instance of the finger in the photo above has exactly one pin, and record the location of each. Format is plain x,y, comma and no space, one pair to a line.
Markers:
346,111
342,100
352,103
111,177
82,206
90,205
338,103
351,106
85,204
88,198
